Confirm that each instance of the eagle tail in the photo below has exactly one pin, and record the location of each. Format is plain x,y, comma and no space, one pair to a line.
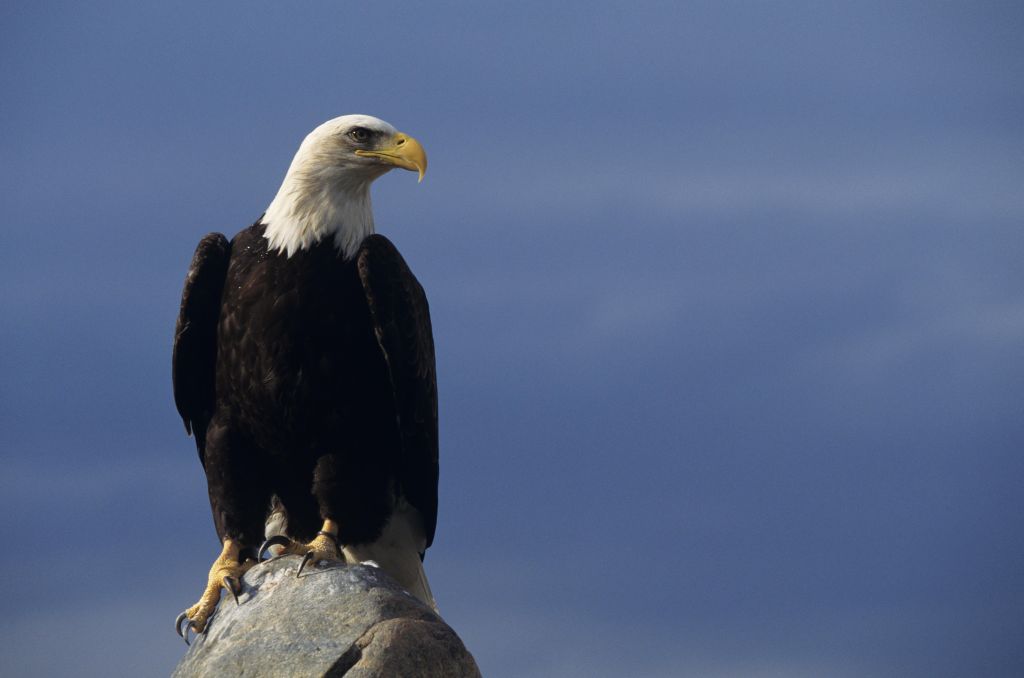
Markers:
399,551
421,587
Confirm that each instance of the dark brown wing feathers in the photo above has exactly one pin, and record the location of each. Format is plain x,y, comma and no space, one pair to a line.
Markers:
401,317
194,358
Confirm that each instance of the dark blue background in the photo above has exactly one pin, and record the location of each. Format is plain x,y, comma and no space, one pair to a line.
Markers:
727,298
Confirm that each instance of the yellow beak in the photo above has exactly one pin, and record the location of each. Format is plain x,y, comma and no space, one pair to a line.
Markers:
403,151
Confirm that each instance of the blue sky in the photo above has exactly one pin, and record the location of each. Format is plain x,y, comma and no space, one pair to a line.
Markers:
728,301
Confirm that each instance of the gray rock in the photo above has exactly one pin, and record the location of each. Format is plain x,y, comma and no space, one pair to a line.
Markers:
335,620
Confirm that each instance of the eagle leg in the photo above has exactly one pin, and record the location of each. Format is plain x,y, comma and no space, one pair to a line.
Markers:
226,572
324,547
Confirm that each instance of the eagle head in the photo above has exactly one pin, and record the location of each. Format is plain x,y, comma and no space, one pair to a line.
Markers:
326,191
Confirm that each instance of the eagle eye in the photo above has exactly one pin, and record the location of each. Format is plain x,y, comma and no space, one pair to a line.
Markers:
359,134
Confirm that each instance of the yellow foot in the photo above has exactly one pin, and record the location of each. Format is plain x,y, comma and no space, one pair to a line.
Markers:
225,572
324,547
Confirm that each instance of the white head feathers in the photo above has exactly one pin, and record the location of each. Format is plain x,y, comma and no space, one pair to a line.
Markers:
326,191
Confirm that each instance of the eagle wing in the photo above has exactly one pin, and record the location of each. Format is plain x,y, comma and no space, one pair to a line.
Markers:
401,320
193,362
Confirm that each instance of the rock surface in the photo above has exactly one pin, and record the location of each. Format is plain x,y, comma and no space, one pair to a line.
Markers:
335,620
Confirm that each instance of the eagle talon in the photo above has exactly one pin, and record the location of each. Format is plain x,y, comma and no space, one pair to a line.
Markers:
189,626
324,546
225,573
177,624
233,586
276,540
305,559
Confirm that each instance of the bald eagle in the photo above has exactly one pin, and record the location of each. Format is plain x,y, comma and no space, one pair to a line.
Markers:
303,366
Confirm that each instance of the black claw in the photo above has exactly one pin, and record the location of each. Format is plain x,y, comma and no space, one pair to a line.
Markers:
276,540
190,626
233,586
305,559
177,624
